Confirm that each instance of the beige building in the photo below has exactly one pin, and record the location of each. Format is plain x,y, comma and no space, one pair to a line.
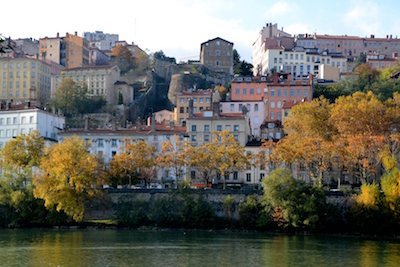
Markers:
124,93
99,80
70,51
201,101
164,116
217,55
24,79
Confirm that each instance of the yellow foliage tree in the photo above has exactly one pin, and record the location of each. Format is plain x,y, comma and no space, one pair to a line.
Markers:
369,196
69,176
138,160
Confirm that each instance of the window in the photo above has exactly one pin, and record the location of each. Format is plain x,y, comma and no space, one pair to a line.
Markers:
15,120
226,176
256,107
237,91
193,138
201,100
251,91
305,92
100,143
31,119
1,121
272,92
235,175
258,91
194,128
236,128
240,107
291,92
8,133
192,174
219,128
181,110
207,128
272,115
207,100
182,100
236,137
272,104
278,92
8,120
248,177
262,175
113,142
206,138
279,104
244,92
195,100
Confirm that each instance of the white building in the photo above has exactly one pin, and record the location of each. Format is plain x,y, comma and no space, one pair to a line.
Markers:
300,63
103,41
23,119
256,112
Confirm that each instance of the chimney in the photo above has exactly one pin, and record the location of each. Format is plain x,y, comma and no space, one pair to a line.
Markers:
28,104
8,105
76,33
58,34
86,123
276,79
215,109
153,122
190,107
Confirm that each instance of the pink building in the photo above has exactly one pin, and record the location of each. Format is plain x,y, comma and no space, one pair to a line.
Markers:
274,93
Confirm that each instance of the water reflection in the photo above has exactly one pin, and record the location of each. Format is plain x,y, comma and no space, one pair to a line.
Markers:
180,248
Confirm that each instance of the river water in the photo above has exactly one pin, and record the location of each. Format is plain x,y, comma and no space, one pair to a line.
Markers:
92,247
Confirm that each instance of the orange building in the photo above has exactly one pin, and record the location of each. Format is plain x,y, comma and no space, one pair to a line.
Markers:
274,93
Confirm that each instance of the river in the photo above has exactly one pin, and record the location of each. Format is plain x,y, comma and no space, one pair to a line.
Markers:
92,247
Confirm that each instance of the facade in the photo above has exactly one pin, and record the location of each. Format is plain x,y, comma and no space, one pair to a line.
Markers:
98,57
299,62
103,41
350,45
379,61
99,80
201,127
202,100
272,130
24,118
105,143
256,111
163,116
28,46
275,93
217,55
124,93
70,51
25,79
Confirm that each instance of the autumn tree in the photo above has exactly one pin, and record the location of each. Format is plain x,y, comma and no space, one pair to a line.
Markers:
137,161
69,177
123,58
174,156
68,96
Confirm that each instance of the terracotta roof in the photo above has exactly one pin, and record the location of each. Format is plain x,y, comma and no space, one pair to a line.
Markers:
338,37
90,67
142,130
292,103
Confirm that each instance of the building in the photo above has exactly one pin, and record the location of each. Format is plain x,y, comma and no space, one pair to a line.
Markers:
269,36
70,51
202,100
24,79
299,62
29,47
256,111
217,55
379,61
105,143
271,130
124,93
103,41
350,46
98,57
99,80
274,93
24,118
164,116
201,126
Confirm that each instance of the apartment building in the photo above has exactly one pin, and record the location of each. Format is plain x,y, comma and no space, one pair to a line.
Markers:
256,112
101,40
71,51
99,80
25,79
274,93
217,55
202,100
25,118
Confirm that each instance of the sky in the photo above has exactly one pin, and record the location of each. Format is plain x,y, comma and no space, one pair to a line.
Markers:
178,27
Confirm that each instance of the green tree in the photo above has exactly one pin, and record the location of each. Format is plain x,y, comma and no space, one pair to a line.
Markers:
68,97
69,177
294,204
241,67
123,58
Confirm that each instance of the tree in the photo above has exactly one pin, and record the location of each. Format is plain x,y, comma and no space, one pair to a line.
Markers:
123,58
68,97
294,204
241,67
69,177
390,181
137,161
174,156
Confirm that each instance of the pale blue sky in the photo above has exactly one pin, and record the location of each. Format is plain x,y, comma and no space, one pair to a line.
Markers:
179,26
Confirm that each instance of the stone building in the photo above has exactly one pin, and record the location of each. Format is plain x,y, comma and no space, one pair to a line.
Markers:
217,55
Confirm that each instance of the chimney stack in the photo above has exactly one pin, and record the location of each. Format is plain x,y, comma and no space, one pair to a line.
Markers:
58,34
153,122
275,77
190,107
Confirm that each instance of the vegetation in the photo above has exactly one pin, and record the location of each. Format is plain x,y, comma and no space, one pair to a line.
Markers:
365,79
241,67
123,58
72,99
